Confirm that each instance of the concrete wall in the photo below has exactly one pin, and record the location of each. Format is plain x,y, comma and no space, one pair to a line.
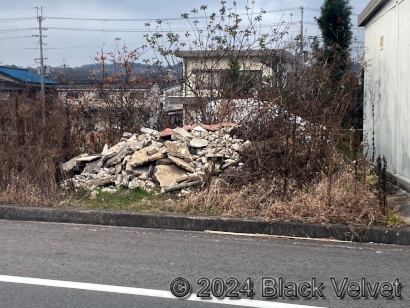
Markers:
387,87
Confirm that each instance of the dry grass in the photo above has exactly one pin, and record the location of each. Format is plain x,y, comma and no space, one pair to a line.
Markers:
352,202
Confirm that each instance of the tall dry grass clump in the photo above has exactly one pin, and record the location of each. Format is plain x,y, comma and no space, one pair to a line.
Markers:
30,151
352,201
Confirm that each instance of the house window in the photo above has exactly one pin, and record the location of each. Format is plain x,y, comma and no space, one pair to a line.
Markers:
72,95
207,79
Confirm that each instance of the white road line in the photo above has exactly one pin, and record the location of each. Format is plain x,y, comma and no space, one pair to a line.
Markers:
144,292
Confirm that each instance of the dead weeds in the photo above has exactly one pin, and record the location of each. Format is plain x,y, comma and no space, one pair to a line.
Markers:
352,202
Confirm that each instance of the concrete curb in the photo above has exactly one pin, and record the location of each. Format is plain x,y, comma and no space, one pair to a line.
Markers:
202,223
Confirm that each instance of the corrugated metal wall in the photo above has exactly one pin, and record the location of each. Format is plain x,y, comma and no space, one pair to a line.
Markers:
387,87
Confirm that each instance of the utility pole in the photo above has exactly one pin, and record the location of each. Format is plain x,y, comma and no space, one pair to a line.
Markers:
42,91
301,33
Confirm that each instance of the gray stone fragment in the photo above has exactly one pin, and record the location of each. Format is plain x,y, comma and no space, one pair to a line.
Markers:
150,185
198,143
141,157
105,149
152,150
127,135
150,131
100,181
88,158
136,171
178,150
135,145
114,150
164,161
117,158
134,184
143,177
72,163
94,166
181,134
167,175
181,163
118,168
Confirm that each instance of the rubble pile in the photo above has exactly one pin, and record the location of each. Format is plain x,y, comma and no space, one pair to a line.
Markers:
173,159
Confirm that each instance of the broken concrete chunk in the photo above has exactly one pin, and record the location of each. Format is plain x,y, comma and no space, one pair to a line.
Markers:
88,158
199,128
118,168
178,150
136,171
100,181
127,135
117,158
181,186
94,166
181,134
141,157
189,177
69,165
135,145
114,150
167,175
164,161
150,131
152,150
181,163
105,149
198,143
134,184
143,177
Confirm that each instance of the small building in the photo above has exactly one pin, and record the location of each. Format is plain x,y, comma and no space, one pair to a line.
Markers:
209,76
386,85
96,98
17,80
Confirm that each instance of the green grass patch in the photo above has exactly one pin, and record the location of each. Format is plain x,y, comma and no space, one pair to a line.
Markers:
122,199
393,220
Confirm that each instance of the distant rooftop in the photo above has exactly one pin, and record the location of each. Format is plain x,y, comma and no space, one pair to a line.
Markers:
23,75
227,53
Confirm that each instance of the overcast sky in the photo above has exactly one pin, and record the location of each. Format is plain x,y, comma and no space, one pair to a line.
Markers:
74,44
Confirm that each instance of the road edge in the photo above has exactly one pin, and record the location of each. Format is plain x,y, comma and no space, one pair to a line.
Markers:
204,222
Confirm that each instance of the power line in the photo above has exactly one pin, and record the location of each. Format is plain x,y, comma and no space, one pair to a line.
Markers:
16,30
16,19
11,37
318,10
163,19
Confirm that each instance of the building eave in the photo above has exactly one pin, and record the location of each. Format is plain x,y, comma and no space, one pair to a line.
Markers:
371,8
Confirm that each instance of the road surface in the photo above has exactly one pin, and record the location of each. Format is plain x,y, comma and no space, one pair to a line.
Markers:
69,265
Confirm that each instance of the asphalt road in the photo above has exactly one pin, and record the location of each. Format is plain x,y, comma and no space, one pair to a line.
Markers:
79,265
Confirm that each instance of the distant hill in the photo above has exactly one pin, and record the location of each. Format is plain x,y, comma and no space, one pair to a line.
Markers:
84,72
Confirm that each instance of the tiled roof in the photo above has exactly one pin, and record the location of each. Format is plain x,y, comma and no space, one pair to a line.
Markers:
23,75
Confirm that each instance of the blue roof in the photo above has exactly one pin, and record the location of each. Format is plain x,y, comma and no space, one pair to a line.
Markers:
23,75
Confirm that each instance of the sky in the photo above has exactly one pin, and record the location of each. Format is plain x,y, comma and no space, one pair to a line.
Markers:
71,40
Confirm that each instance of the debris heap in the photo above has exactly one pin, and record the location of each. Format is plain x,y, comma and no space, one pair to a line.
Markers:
172,159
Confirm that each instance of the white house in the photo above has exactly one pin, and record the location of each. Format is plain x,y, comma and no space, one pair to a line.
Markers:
387,85
207,76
